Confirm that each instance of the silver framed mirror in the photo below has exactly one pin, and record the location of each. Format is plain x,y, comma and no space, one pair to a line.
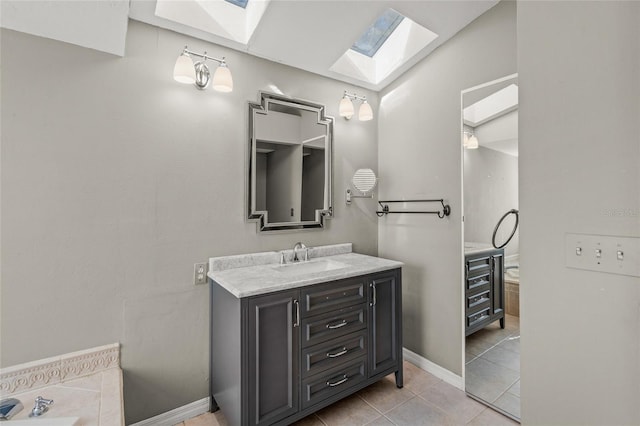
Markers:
289,163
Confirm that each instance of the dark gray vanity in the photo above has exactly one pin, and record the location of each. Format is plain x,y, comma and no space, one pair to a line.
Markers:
278,356
484,288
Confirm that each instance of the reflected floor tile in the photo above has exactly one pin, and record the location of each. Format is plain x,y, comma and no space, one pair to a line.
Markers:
515,389
453,401
417,412
490,417
503,357
509,403
487,380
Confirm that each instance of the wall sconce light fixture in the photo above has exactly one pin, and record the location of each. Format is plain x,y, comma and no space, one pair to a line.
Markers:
469,140
346,110
185,71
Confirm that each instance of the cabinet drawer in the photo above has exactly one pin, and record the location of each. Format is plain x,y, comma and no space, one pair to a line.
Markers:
477,300
478,317
327,297
476,283
334,381
478,266
330,325
316,359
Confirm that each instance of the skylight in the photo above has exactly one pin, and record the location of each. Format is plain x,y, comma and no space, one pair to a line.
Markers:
239,3
375,36
390,42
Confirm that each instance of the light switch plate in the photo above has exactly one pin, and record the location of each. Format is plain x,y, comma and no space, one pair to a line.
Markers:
603,253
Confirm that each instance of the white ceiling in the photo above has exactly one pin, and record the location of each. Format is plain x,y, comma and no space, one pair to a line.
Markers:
306,34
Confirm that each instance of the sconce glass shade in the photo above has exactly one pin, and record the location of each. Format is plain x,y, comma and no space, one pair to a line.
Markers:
465,140
184,71
222,80
346,108
365,113
473,142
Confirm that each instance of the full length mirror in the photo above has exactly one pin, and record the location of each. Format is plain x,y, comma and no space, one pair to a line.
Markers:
289,182
491,284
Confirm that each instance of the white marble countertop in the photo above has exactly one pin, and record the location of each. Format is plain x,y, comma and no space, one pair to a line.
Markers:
261,273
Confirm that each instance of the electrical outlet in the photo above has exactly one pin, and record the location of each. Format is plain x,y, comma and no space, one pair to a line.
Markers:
200,273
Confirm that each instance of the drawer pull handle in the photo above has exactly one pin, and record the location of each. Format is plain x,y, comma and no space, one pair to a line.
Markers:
337,354
339,325
339,382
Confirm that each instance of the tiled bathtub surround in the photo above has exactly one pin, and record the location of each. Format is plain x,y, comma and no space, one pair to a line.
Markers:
85,384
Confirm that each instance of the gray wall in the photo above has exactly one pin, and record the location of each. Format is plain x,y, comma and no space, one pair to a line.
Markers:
579,74
116,180
490,190
420,157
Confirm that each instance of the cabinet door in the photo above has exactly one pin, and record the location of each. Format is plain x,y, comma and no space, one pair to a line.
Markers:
497,285
384,322
273,373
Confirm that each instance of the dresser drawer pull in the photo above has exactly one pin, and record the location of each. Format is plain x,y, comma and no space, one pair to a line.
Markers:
339,382
339,325
337,354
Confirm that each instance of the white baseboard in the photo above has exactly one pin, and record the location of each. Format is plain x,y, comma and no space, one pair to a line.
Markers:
177,415
433,368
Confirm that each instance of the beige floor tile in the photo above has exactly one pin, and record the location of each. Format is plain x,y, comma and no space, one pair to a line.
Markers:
453,401
417,412
490,417
385,395
207,419
351,411
380,421
418,380
311,420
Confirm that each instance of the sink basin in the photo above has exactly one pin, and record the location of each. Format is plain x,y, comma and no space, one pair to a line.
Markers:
44,420
309,267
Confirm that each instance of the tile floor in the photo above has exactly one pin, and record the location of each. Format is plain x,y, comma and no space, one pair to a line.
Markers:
424,400
493,365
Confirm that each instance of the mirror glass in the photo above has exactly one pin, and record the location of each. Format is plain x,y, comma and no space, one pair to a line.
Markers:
490,182
289,182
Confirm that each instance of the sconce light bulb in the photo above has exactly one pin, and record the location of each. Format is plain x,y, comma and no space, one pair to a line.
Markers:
346,108
184,71
365,113
222,79
473,142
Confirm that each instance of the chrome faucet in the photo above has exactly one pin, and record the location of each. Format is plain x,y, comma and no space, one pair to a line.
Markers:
9,407
41,406
299,245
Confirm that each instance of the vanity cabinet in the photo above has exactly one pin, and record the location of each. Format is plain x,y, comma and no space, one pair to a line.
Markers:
484,292
278,357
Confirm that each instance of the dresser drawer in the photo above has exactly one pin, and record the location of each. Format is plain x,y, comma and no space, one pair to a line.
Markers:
318,358
330,325
478,317
478,266
328,297
322,386
477,301
476,283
